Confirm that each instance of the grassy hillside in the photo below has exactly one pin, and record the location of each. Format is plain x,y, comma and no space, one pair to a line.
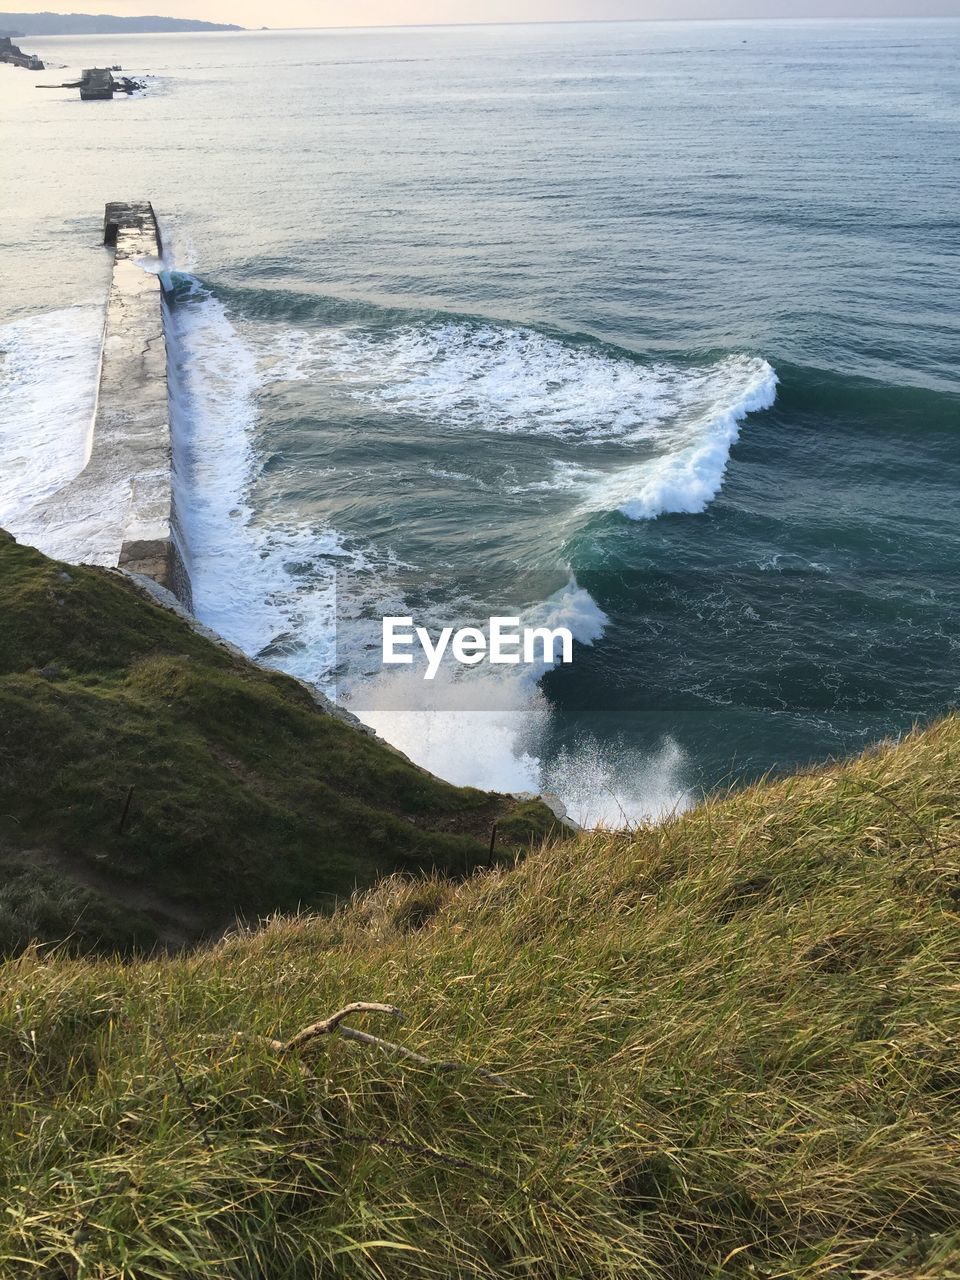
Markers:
729,1047
246,796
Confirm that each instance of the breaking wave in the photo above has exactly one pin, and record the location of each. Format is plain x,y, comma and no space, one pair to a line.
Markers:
49,365
304,597
686,478
665,429
308,600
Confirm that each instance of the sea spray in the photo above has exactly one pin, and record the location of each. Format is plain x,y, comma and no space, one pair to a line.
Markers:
490,726
300,595
49,366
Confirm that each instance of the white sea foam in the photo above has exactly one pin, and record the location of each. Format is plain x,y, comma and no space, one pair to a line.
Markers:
269,587
478,726
49,365
494,377
492,731
683,420
489,727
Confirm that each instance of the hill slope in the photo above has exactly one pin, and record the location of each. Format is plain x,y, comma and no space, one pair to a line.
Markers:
730,1047
247,797
82,24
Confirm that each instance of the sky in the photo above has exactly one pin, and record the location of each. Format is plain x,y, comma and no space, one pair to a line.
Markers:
322,13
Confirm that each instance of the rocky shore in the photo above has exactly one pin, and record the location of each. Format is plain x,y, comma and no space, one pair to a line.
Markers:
14,55
99,83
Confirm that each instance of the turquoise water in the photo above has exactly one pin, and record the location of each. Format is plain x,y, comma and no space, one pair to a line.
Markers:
652,328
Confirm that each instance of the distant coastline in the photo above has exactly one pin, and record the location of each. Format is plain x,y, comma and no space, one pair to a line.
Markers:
82,24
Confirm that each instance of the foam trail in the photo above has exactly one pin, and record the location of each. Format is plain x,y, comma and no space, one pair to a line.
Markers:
49,366
516,380
268,588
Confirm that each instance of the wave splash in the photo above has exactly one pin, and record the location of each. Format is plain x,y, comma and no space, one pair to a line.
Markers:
278,588
268,587
479,378
490,727
477,726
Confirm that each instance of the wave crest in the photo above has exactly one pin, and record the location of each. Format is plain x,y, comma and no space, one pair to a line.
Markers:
479,377
686,479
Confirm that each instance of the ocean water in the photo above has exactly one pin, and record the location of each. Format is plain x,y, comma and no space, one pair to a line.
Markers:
650,329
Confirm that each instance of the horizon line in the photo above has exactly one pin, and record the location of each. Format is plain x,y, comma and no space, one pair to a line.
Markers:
598,22
234,28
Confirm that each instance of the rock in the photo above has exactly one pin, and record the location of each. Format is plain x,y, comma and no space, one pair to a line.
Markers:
50,672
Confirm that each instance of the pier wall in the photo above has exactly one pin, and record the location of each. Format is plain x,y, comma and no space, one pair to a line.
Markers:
120,508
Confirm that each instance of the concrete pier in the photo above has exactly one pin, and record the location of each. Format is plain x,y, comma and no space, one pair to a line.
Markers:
119,511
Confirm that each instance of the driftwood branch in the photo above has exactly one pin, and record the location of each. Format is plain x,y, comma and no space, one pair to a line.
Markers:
327,1026
362,1037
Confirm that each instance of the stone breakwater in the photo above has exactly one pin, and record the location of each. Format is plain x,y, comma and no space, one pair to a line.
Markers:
120,508
14,55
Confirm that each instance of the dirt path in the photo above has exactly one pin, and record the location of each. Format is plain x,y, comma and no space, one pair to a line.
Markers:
178,925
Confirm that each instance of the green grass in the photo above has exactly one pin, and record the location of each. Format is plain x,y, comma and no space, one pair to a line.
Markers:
733,1041
246,797
40,903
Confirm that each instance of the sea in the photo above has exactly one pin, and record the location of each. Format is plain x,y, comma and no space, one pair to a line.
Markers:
650,330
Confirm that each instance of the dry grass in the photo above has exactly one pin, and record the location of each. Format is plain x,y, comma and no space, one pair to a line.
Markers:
733,1041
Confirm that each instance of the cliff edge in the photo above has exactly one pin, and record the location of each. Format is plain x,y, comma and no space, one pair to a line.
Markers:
154,784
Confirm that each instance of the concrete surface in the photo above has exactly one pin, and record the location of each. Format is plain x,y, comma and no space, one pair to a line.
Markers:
120,510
